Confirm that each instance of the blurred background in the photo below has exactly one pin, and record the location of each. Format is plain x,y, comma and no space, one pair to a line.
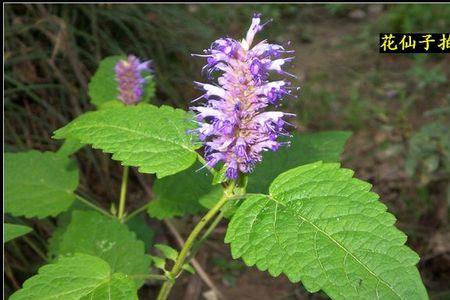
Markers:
397,107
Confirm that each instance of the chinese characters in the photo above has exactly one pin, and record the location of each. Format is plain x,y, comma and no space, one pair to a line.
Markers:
414,43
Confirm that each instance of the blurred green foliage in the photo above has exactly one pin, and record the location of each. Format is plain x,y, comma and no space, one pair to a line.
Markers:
427,76
230,269
417,18
429,148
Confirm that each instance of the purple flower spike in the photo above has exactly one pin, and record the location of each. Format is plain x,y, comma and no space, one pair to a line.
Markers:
233,124
128,76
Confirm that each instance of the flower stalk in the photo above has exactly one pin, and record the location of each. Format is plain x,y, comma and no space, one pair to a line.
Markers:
233,123
181,259
123,193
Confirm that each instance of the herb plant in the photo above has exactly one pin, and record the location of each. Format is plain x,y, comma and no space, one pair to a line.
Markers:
291,208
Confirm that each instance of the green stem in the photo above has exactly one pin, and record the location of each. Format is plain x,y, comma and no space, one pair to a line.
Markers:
123,193
136,212
165,290
205,236
212,227
145,206
178,266
150,276
92,205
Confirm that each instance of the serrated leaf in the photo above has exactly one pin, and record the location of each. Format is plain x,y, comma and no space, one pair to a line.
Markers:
77,277
149,137
13,231
324,228
305,148
167,251
183,193
92,233
39,184
103,86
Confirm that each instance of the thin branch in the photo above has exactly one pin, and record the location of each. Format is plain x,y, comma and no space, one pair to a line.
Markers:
92,205
200,271
136,212
149,276
123,193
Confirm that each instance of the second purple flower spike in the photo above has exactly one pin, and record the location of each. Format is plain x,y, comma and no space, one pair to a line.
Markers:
233,124
130,80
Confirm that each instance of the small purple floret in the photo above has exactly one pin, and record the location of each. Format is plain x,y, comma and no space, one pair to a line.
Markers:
130,80
234,125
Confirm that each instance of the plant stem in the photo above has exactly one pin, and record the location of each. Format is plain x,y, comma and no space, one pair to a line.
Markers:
205,236
178,266
136,212
92,205
211,227
123,193
195,232
150,276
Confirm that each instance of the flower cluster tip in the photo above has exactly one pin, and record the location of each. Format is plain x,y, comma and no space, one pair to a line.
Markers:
130,80
233,124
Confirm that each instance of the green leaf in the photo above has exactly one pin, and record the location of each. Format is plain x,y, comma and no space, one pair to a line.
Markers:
103,87
149,137
69,147
220,176
112,104
39,184
118,286
324,228
182,193
149,88
159,262
92,233
13,231
142,230
188,268
306,148
63,222
167,251
77,277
